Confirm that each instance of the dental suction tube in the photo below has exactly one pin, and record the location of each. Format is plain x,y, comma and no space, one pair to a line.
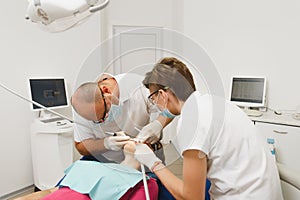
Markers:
43,107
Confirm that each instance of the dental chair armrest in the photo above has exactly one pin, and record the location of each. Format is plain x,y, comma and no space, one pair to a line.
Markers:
289,175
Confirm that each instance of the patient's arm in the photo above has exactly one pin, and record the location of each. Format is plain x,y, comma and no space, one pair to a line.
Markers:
129,160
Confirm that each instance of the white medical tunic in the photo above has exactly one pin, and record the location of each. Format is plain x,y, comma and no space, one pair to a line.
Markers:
239,166
136,112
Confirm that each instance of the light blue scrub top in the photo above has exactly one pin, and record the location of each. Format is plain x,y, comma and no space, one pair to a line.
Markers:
100,180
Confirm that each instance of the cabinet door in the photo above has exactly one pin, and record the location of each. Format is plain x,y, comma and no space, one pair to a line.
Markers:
287,142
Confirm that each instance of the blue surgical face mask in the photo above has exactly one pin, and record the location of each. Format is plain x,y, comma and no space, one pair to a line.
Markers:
114,112
166,113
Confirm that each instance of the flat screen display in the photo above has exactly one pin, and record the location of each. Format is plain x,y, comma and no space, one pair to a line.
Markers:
49,92
248,91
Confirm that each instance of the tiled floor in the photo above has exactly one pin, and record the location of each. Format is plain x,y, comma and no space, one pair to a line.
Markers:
173,160
27,191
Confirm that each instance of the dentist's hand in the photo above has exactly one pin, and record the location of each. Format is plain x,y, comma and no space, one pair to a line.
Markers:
145,155
151,132
117,142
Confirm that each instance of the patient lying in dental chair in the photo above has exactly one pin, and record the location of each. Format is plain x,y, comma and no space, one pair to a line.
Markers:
87,180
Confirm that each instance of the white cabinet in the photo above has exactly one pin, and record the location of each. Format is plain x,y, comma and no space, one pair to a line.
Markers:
287,142
287,147
52,151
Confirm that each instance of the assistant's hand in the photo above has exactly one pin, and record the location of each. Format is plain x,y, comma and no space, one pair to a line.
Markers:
117,142
151,132
145,155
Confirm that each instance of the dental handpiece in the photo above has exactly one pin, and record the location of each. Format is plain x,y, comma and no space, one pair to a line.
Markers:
111,133
115,134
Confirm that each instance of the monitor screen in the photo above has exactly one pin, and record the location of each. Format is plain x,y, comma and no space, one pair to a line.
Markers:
49,92
248,91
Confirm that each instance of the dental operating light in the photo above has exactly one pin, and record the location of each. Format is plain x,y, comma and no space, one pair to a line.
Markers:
60,15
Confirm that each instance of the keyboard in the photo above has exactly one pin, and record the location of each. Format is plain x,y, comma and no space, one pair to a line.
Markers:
253,113
52,120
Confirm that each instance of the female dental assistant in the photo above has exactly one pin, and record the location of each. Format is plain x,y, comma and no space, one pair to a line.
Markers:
224,148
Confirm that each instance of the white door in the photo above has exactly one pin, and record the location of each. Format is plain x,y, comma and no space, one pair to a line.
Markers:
136,47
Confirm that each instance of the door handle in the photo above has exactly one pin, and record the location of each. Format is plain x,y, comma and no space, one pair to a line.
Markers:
280,132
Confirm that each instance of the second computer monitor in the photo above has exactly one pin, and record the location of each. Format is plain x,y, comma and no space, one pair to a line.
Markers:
248,91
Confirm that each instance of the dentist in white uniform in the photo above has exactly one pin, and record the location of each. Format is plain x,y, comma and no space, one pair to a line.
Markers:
112,104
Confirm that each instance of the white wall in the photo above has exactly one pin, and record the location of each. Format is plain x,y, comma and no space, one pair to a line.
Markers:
26,51
251,38
167,13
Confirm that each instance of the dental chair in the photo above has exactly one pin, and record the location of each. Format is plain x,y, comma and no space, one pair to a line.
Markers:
290,182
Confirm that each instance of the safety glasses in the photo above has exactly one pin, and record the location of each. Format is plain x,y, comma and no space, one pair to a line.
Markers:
104,112
150,97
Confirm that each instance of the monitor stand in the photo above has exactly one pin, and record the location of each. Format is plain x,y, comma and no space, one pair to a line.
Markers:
47,117
252,112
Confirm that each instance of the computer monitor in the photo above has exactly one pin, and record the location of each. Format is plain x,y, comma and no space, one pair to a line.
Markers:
248,92
49,92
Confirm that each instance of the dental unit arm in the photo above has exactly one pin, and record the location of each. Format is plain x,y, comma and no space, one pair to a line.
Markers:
60,115
61,15
39,105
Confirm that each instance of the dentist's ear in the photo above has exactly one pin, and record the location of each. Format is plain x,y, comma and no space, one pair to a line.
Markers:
105,89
